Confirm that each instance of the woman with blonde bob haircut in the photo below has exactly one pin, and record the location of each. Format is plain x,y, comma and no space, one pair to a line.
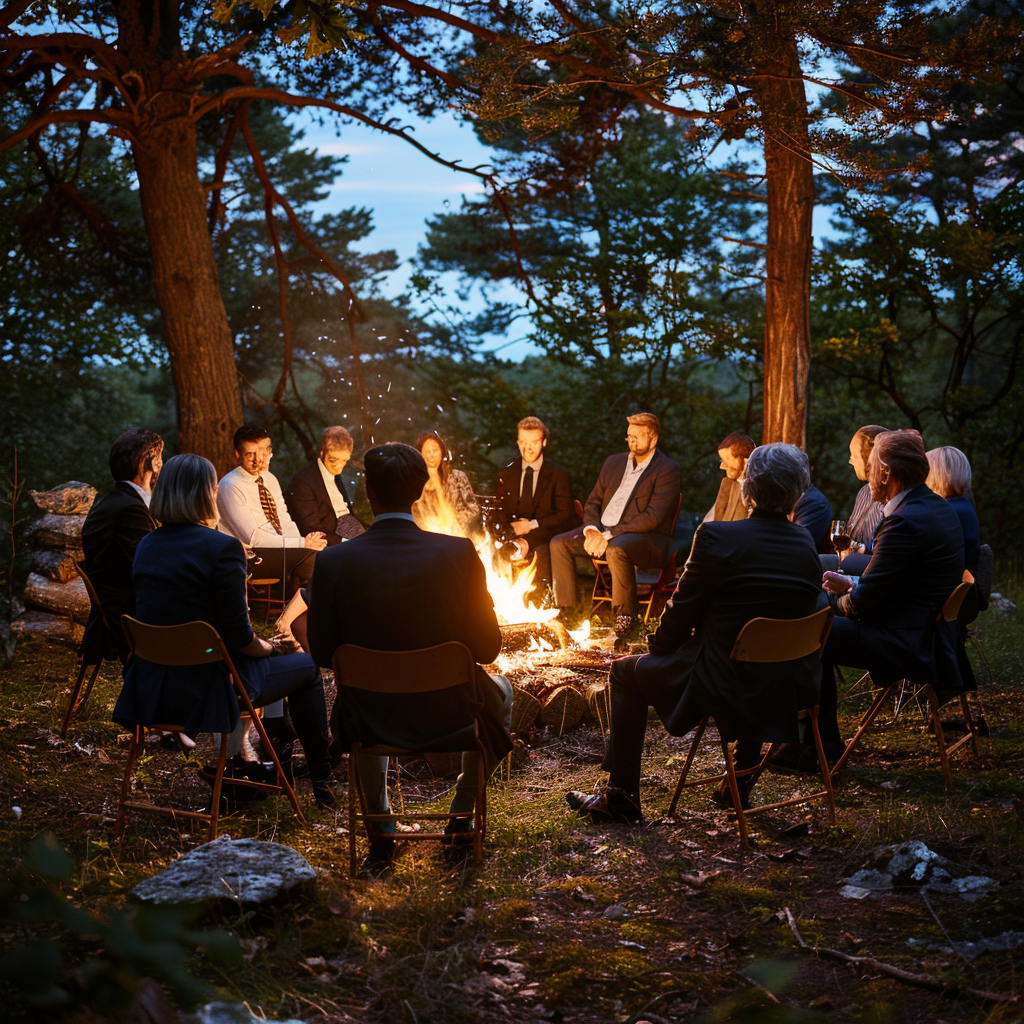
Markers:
949,476
187,571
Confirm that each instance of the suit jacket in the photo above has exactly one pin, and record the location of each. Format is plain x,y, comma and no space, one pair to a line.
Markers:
737,571
184,572
964,510
652,502
309,505
551,503
111,532
399,588
814,513
916,563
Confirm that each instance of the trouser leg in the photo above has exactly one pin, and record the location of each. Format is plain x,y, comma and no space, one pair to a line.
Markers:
629,706
624,555
296,677
845,646
562,550
374,772
497,704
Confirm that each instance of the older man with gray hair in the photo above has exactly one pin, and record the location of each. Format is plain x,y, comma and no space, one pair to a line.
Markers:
737,571
316,496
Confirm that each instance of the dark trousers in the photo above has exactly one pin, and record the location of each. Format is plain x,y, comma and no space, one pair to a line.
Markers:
631,696
296,677
624,555
845,646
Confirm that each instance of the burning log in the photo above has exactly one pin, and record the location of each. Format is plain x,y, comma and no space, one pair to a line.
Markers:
563,709
522,636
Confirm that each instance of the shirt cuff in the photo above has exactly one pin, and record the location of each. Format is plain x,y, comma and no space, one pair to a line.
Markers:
534,525
589,529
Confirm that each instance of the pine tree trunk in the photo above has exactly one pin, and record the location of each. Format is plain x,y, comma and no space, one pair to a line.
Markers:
787,348
195,323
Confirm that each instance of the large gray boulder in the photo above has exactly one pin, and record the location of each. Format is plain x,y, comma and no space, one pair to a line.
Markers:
249,871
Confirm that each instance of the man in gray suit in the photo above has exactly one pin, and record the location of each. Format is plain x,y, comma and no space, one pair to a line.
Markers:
627,521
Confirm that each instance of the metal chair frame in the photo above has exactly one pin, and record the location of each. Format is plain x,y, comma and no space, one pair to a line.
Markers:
766,641
74,701
426,670
894,691
192,643
660,586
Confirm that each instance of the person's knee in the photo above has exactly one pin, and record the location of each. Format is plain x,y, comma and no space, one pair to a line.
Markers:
615,554
623,672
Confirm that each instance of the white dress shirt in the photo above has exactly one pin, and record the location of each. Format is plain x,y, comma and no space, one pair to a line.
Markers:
337,499
242,515
143,494
894,503
613,511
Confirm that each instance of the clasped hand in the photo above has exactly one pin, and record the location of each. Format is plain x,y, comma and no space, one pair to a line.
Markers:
594,543
836,583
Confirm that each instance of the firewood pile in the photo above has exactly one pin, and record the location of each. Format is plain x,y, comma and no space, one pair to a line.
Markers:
56,600
560,688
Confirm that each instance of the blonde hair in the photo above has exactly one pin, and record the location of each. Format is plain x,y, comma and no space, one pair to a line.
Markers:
949,472
184,492
647,420
532,423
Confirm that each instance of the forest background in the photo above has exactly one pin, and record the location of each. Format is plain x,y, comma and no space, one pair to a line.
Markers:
635,270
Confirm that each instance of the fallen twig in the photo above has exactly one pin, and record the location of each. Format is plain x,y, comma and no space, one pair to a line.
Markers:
929,981
942,928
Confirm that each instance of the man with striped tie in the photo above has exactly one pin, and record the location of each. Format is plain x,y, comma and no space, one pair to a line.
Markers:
252,508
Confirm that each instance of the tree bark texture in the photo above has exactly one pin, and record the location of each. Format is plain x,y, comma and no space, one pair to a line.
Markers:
790,179
195,323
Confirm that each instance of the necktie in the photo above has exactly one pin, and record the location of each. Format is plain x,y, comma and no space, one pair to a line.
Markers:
268,505
526,489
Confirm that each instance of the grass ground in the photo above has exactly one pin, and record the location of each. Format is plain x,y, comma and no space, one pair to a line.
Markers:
563,921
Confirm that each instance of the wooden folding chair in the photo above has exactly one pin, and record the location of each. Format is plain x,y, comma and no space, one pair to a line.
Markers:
949,613
428,670
650,585
74,701
192,643
768,641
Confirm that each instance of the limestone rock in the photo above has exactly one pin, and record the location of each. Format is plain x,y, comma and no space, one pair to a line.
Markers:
56,531
70,599
246,870
227,1013
66,499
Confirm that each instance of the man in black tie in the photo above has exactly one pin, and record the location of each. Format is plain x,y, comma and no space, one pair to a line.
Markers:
534,500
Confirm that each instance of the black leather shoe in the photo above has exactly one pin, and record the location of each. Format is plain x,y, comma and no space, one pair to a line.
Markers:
457,833
379,861
721,797
611,806
328,793
802,758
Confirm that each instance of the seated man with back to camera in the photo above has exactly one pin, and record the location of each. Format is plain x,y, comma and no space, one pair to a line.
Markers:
886,620
534,500
253,510
316,496
763,565
627,521
111,532
399,588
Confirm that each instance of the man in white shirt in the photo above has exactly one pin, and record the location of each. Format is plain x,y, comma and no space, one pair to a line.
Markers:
627,521
252,507
316,496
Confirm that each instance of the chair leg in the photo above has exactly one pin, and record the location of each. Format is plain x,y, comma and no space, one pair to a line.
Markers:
74,703
940,736
480,817
734,790
133,752
218,783
826,775
865,722
286,787
686,767
972,729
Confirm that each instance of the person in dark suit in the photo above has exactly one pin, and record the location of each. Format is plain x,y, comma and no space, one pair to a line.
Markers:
399,588
814,513
764,565
886,621
627,521
187,571
534,500
111,532
316,497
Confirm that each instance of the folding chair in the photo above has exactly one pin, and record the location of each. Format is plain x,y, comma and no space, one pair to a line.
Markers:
949,613
650,584
75,702
767,641
395,673
192,643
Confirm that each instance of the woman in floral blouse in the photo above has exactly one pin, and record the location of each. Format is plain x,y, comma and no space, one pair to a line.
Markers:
447,504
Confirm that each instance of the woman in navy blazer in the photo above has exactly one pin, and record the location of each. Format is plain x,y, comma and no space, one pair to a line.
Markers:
186,571
949,476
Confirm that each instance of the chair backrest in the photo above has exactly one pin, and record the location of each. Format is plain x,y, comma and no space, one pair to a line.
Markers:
429,668
191,643
577,507
951,609
94,598
772,640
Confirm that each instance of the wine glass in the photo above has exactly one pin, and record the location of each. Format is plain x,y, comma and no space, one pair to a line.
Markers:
840,536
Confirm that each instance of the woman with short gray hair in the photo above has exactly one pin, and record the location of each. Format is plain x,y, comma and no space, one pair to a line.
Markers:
775,477
949,476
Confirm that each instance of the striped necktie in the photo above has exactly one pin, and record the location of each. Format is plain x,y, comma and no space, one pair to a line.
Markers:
268,504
